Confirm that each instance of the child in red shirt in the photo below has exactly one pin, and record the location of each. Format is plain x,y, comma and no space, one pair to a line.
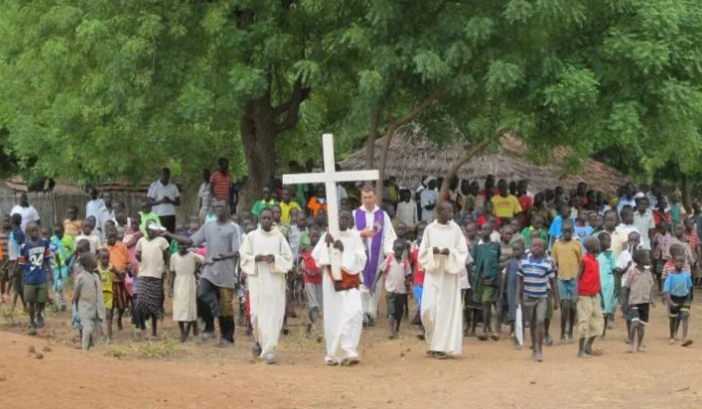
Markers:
312,276
418,277
590,317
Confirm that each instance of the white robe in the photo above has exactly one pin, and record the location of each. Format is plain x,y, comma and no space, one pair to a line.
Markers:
370,300
266,283
343,311
441,300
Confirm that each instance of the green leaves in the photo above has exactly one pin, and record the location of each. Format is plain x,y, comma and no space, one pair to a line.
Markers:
479,29
429,66
576,89
518,11
246,81
503,76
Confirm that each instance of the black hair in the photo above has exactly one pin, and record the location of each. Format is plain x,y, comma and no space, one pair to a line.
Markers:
16,219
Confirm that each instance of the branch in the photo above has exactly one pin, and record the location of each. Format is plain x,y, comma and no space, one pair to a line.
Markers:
417,110
467,156
292,107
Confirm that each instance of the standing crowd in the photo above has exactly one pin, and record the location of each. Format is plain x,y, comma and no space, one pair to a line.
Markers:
476,259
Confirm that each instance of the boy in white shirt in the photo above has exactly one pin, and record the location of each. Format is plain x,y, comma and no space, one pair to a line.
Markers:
397,270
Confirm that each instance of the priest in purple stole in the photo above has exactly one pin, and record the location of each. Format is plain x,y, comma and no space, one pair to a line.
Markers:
378,236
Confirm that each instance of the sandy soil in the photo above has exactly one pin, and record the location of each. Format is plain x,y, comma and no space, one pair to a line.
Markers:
393,374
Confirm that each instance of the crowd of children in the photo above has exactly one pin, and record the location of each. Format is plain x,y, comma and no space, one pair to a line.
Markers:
529,255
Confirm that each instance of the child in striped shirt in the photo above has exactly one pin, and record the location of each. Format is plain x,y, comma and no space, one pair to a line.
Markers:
537,272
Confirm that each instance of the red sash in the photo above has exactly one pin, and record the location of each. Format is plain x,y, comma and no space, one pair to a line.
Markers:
348,281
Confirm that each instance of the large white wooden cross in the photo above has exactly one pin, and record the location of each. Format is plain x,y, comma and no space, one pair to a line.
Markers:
330,177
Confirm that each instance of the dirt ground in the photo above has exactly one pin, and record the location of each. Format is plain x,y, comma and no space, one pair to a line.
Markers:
392,374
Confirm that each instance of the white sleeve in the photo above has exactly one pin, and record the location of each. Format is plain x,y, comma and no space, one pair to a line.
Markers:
389,235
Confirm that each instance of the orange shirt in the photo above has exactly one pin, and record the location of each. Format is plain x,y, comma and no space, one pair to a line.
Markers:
119,256
221,182
315,206
72,227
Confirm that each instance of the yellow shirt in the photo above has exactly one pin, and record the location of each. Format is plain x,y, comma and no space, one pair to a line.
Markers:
567,256
505,207
105,279
285,211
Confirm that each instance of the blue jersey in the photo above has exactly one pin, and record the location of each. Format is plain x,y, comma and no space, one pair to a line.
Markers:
36,257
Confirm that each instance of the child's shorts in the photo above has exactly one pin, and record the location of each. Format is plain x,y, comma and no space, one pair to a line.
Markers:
396,305
36,293
535,308
639,313
568,289
682,306
485,294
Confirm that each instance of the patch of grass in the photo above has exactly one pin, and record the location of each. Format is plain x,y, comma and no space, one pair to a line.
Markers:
9,316
161,349
118,352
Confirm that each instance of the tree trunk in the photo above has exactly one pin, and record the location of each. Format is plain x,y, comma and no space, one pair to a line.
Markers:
383,161
372,136
685,194
465,158
258,135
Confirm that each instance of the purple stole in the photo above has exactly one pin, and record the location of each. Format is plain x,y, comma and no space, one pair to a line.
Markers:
373,253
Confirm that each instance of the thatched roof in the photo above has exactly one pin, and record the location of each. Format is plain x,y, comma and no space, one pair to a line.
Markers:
412,156
18,184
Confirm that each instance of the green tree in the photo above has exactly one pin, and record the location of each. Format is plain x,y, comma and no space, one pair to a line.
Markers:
107,87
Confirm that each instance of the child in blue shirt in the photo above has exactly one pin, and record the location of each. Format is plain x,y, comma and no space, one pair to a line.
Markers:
36,260
15,244
554,232
677,290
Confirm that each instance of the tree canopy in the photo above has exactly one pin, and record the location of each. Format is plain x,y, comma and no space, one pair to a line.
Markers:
97,88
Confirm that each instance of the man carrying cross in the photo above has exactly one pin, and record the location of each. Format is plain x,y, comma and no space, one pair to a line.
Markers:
374,233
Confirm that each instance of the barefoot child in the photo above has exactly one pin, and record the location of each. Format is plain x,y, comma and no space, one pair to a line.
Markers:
486,256
639,289
62,248
537,272
607,280
590,319
677,292
36,261
152,253
567,254
396,270
120,262
509,285
105,270
16,241
418,277
183,289
87,299
312,275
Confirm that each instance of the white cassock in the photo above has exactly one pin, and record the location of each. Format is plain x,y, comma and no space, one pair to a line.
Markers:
343,311
266,282
370,300
441,300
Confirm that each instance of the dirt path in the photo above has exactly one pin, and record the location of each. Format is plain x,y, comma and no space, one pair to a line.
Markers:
393,374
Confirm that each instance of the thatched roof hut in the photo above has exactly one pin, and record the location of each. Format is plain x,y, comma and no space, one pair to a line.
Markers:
413,156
